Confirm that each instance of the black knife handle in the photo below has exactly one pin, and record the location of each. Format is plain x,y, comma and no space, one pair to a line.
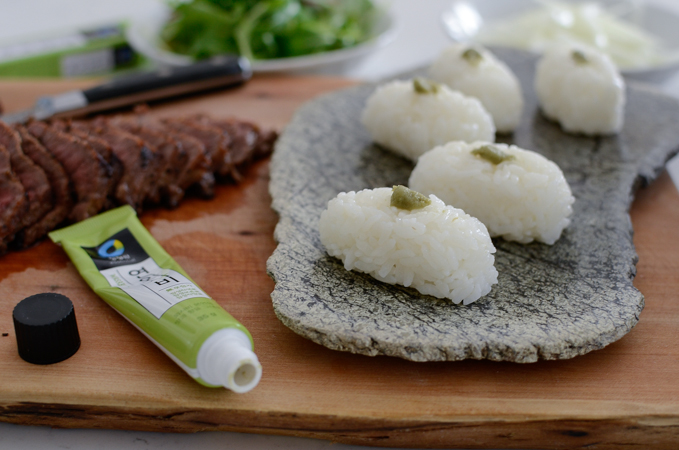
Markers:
167,82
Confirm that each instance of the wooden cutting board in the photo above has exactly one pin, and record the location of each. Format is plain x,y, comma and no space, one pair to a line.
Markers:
626,394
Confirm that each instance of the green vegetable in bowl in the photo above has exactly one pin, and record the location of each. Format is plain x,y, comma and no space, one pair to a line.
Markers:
267,29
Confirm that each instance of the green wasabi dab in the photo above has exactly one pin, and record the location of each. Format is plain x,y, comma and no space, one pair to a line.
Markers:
404,198
472,56
424,86
492,154
579,57
129,270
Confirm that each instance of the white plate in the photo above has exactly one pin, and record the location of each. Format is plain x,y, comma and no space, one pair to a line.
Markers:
143,36
464,19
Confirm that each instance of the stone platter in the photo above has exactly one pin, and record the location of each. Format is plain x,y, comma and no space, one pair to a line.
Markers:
551,302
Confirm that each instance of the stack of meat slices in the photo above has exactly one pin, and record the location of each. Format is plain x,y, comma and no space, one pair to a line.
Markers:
62,171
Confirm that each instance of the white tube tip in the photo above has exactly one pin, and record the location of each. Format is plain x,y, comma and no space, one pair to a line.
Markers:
226,359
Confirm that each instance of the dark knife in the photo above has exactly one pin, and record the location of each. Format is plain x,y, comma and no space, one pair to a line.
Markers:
141,87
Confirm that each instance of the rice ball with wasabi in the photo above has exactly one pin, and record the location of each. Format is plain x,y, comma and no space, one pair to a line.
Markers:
411,117
476,72
581,88
402,237
518,194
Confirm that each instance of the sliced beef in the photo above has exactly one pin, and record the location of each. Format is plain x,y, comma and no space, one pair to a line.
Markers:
170,159
217,143
13,203
248,141
36,186
136,157
114,168
62,200
196,174
266,142
87,170
62,171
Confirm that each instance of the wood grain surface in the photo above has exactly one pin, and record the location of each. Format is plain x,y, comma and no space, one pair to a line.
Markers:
626,395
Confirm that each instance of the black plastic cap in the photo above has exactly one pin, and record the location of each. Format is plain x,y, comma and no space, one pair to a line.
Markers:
45,328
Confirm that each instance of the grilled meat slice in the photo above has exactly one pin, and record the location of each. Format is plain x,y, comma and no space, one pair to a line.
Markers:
62,200
136,157
32,177
170,159
36,185
248,141
87,170
196,174
13,202
216,143
114,169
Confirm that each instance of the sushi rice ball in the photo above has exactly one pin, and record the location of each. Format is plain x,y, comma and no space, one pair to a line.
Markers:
411,117
402,237
581,88
518,194
476,72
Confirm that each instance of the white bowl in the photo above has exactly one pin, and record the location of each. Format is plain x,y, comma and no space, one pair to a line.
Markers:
143,35
464,19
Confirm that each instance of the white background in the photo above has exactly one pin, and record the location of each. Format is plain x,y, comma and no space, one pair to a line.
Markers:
420,38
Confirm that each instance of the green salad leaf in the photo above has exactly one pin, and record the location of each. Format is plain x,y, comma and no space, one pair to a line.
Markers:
267,29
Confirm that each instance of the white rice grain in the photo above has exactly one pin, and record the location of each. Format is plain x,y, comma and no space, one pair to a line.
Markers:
524,199
582,89
438,250
484,77
410,123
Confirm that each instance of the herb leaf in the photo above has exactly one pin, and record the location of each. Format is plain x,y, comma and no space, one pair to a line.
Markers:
267,29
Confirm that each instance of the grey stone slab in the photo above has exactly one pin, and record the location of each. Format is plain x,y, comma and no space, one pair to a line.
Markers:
551,302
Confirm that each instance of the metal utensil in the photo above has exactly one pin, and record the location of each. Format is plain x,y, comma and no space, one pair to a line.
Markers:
141,87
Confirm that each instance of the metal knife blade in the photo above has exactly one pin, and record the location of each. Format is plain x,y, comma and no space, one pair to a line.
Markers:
142,87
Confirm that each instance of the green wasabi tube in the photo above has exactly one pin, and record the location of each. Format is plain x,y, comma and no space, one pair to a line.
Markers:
127,268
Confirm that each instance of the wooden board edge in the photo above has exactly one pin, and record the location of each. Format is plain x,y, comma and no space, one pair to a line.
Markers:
660,432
